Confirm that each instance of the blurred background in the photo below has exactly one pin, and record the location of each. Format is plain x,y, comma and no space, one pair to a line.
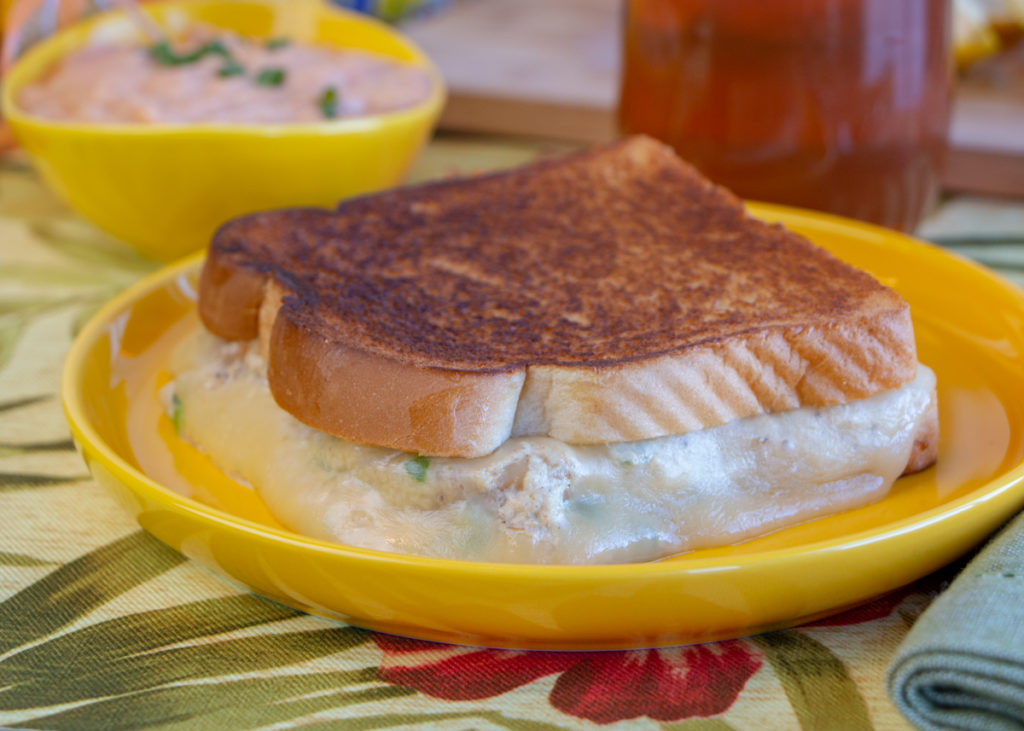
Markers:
811,104
553,69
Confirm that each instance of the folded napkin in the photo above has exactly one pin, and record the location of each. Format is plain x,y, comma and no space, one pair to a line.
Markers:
962,664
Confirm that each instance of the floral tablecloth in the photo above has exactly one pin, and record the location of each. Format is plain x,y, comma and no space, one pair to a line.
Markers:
101,626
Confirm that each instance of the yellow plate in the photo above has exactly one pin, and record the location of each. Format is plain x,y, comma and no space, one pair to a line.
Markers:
970,330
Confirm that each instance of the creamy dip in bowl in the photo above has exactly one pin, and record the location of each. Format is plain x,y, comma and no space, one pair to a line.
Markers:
282,130
211,76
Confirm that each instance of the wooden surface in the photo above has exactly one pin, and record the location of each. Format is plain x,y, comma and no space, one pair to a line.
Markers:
987,133
551,69
546,69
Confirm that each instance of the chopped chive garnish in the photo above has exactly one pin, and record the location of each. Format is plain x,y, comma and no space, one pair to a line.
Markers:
164,55
328,102
272,44
270,77
218,48
177,413
231,68
417,467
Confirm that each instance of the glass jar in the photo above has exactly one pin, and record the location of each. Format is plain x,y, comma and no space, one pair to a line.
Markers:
836,105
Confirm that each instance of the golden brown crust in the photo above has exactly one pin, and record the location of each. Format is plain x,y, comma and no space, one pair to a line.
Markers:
366,399
628,297
230,296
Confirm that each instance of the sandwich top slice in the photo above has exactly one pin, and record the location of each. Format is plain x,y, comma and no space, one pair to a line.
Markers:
610,296
594,358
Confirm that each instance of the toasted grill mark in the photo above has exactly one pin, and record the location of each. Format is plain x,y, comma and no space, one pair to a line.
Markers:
767,373
684,388
822,382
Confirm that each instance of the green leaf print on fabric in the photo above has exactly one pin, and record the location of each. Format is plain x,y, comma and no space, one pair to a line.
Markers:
29,480
79,241
22,559
143,668
76,588
145,632
11,330
15,316
244,703
818,686
22,402
8,449
164,666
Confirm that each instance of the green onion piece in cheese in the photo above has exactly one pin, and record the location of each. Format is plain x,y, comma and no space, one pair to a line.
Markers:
272,44
417,467
177,413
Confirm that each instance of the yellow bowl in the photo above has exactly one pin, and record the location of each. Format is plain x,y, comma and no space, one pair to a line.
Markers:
974,341
165,188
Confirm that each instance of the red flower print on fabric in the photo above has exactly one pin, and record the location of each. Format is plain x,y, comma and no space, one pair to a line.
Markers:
459,673
666,684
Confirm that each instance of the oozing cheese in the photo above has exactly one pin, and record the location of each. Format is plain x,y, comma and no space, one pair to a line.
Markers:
539,500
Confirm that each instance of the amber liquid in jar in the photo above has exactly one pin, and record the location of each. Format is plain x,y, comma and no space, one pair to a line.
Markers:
836,105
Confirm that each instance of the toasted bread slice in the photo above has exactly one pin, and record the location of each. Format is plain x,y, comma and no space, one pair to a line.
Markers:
612,295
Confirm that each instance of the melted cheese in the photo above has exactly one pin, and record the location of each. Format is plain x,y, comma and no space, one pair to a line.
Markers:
539,500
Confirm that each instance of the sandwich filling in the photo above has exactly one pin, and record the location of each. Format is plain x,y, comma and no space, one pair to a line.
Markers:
538,499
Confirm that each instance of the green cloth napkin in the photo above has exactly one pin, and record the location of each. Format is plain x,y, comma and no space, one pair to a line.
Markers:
962,664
